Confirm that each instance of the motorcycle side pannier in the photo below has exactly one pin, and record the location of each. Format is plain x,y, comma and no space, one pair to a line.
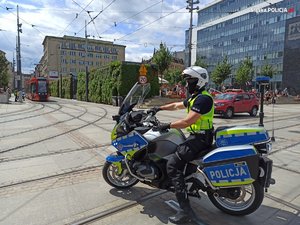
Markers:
231,166
240,135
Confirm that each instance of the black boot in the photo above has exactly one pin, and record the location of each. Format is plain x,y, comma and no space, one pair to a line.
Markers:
185,214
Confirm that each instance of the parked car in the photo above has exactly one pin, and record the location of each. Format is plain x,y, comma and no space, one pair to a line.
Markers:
214,92
236,101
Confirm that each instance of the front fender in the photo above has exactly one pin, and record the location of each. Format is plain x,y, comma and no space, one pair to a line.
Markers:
113,158
116,159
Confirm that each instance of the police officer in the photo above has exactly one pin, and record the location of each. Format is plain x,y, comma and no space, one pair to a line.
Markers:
199,123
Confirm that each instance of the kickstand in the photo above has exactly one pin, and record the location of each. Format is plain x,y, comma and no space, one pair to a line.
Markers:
174,205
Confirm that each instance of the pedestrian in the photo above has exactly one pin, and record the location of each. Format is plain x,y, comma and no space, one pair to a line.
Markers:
199,123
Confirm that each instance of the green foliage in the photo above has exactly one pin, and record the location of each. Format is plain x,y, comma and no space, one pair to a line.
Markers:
3,71
162,58
66,87
129,76
200,62
54,88
116,79
244,72
268,70
173,76
81,86
221,72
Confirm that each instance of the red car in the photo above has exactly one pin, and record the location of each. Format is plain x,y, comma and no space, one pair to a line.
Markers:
232,102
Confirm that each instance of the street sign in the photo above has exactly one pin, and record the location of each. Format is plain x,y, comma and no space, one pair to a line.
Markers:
143,73
53,74
143,70
142,79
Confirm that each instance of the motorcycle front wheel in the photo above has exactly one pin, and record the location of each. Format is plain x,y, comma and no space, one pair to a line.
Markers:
246,199
119,181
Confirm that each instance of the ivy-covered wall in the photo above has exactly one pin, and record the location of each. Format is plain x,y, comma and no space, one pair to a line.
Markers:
66,87
53,87
116,79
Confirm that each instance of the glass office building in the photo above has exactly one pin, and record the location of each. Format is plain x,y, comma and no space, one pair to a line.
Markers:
240,28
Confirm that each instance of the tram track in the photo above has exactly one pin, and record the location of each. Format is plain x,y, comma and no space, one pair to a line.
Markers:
21,111
56,135
59,122
31,116
62,151
128,205
109,212
46,126
56,175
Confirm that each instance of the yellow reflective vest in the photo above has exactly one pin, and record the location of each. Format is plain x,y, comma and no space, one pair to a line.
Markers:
205,122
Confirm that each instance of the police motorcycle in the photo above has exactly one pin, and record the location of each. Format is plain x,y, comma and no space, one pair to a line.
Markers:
234,172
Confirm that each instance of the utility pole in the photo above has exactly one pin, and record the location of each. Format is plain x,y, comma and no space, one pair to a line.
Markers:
13,70
190,7
86,66
19,71
59,71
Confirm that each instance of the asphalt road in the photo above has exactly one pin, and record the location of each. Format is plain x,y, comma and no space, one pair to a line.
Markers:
52,153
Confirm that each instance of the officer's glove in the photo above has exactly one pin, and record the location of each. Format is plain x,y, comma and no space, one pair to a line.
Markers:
153,110
162,127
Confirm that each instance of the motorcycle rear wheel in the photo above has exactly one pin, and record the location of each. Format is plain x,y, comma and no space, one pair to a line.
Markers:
119,181
249,199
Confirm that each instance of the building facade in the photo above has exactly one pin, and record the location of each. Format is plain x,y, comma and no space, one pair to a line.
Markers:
291,58
241,28
67,54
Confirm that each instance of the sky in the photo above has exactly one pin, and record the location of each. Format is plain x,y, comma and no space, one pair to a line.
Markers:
139,25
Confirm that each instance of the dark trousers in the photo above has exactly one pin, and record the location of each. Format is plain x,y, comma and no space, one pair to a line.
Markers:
185,153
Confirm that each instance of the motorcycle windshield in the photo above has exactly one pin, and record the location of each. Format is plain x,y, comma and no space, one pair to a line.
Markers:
134,97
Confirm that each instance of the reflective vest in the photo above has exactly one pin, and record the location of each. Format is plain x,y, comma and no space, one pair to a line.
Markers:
205,122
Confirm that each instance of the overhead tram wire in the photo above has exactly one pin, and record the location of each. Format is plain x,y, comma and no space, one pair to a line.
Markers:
77,14
96,16
142,27
88,12
32,25
132,16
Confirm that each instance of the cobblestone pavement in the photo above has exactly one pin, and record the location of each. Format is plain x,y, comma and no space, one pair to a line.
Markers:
51,158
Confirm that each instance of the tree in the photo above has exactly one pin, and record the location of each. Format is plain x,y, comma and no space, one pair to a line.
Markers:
221,71
173,76
3,71
268,70
162,58
200,62
244,72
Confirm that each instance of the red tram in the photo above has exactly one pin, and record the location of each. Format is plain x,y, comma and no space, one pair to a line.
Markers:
37,89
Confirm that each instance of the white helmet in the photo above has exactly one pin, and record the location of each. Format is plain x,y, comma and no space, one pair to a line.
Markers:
198,73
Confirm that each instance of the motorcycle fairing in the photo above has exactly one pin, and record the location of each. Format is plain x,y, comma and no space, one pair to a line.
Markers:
240,135
130,143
